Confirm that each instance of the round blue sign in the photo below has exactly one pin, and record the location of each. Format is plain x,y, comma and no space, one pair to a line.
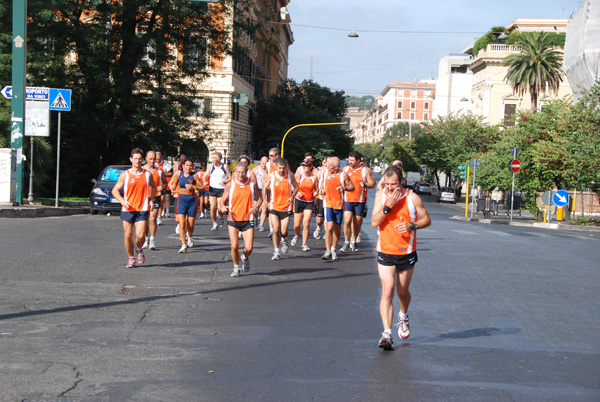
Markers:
560,198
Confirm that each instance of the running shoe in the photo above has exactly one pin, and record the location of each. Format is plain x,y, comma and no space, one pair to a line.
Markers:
317,233
294,241
177,229
158,220
261,228
284,246
151,244
358,238
214,226
333,255
240,235
270,236
183,249
276,256
201,215
145,243
140,256
326,256
167,214
235,273
386,341
353,247
130,263
344,248
403,329
305,247
190,242
221,221
245,263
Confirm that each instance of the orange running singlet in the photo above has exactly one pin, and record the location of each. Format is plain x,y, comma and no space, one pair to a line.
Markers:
306,187
333,198
135,191
390,240
359,194
157,175
241,196
281,191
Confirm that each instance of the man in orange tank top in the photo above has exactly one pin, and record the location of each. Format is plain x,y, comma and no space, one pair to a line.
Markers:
284,188
308,185
241,201
398,213
355,201
165,199
138,189
159,180
335,183
319,210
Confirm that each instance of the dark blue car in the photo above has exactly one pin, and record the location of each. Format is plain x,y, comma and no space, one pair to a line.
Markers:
101,198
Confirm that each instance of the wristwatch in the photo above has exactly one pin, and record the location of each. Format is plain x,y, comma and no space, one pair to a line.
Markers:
414,226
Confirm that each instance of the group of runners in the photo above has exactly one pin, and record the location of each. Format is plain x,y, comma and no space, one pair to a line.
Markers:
247,197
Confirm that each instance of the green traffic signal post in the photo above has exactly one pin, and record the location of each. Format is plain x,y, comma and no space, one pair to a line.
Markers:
17,115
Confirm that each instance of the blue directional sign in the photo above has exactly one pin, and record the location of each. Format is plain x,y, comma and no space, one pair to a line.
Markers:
561,198
31,93
60,99
7,92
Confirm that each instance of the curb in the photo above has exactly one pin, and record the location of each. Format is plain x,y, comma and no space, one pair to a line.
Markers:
40,212
530,223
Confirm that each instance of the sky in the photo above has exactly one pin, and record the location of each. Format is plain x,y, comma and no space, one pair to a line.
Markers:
365,65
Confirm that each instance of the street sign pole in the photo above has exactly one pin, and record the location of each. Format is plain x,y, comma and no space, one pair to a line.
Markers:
17,116
512,198
57,160
473,201
467,195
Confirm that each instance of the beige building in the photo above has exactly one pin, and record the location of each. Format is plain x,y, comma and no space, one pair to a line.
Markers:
356,117
491,95
410,102
236,82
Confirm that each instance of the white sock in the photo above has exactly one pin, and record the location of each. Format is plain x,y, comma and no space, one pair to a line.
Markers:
236,267
332,248
277,250
403,316
388,331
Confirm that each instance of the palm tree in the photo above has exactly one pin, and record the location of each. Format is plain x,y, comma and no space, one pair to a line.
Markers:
536,69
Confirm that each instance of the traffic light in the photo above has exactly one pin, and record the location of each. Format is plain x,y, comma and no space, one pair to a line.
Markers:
463,172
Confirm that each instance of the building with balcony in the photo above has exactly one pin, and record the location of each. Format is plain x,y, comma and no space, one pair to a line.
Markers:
409,102
258,65
491,95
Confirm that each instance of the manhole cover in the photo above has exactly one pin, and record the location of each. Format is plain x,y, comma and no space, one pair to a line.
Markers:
69,399
143,291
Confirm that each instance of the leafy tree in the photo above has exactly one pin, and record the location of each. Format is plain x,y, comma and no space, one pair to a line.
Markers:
536,69
371,151
120,60
364,102
5,70
453,140
303,103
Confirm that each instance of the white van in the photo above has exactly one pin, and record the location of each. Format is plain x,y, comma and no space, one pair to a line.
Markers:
412,178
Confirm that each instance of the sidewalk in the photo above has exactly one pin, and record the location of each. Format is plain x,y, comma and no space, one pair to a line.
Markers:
525,218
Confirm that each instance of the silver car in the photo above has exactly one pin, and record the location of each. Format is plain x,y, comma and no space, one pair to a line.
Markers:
446,194
422,187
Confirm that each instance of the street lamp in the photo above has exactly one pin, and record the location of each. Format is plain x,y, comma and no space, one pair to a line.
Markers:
409,125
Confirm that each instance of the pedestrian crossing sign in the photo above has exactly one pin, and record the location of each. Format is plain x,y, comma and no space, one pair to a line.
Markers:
60,99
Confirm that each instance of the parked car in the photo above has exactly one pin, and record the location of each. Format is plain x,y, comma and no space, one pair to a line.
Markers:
446,194
101,198
422,187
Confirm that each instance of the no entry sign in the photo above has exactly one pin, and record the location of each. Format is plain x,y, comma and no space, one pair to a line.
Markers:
515,165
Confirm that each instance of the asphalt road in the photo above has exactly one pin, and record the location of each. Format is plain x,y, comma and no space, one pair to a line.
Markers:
498,313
